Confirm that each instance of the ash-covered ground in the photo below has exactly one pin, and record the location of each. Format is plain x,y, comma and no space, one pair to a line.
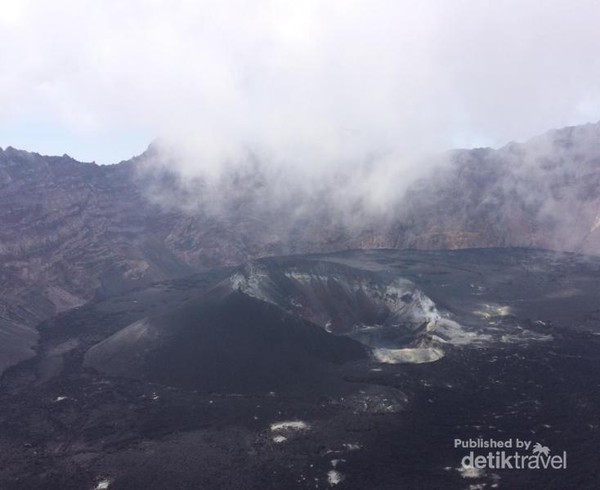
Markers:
355,370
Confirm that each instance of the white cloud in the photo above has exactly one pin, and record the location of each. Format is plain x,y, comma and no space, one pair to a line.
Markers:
315,84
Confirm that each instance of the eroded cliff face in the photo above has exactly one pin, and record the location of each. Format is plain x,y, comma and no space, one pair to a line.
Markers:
544,193
71,230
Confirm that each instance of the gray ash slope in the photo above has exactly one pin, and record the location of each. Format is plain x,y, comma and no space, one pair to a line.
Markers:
222,357
231,344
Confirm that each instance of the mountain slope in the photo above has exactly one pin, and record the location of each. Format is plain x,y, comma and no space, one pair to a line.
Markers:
73,230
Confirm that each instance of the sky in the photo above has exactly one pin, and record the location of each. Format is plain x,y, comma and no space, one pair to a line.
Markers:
310,83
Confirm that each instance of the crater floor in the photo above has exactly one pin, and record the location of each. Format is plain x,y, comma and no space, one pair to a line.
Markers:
354,370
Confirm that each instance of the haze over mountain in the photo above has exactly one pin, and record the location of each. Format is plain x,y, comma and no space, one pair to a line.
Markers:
307,82
73,230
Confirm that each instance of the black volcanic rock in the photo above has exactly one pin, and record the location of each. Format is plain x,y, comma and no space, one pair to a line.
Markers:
524,362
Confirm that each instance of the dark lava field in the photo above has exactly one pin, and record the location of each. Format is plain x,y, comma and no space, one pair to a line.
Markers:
353,370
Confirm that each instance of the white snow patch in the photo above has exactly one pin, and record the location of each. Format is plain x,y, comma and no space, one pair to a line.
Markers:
289,425
524,337
449,331
279,439
103,485
488,311
61,398
471,472
418,355
307,277
252,281
334,477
